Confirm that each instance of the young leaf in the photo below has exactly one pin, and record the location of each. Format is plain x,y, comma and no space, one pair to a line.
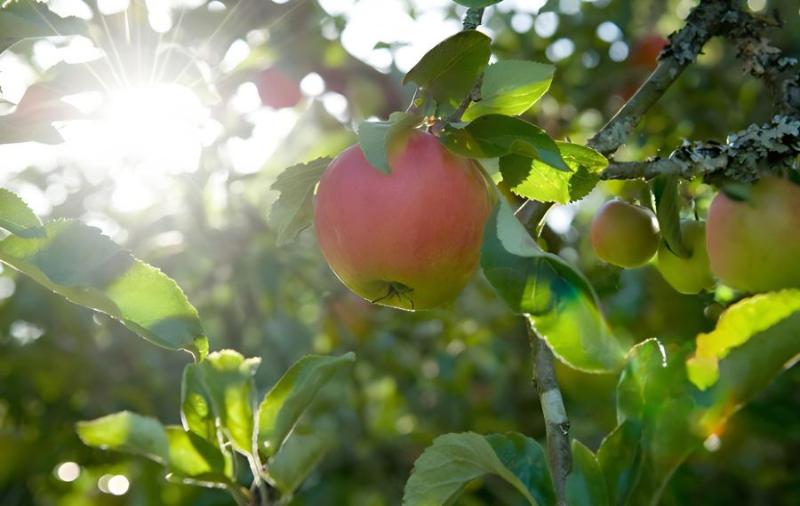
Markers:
377,137
452,461
79,263
620,459
197,415
224,382
644,381
668,212
586,485
293,211
192,456
495,135
556,298
535,180
511,87
288,399
449,70
737,325
298,456
525,458
127,432
17,217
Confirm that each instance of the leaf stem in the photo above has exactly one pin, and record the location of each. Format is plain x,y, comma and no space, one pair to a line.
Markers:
559,454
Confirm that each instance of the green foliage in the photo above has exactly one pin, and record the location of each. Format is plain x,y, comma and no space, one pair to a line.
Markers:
31,18
17,217
477,3
297,458
511,87
742,321
558,300
448,71
536,180
668,207
293,210
287,400
86,267
453,460
495,135
127,432
586,484
377,138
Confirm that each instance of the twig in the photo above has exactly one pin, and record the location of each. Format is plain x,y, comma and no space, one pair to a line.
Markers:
559,455
473,18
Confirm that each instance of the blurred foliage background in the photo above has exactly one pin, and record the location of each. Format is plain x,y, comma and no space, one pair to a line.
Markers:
284,82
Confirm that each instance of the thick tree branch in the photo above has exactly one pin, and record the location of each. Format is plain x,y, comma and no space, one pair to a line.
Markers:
559,455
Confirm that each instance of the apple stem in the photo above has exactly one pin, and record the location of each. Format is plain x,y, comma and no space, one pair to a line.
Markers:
559,454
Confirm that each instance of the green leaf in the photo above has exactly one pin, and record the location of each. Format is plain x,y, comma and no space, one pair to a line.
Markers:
495,135
525,458
31,18
79,263
643,383
192,456
737,325
452,461
298,456
449,70
17,217
224,383
620,459
586,485
377,138
511,87
127,432
288,399
535,180
293,211
668,212
557,299
477,3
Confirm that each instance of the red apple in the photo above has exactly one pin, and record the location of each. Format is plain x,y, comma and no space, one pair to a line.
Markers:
409,239
754,245
277,90
623,234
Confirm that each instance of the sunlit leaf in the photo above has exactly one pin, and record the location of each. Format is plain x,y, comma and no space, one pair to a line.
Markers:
127,432
79,263
511,87
452,461
586,485
288,399
224,383
737,324
377,138
190,455
495,135
449,70
293,211
556,298
17,217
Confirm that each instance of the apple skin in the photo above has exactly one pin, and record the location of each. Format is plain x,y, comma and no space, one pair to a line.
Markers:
624,234
754,245
687,275
278,90
410,239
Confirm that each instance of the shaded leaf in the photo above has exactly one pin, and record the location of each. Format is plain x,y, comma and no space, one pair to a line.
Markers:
127,432
668,212
17,217
293,211
288,399
477,3
449,70
452,461
376,138
511,87
525,458
642,383
620,459
298,456
32,18
586,485
557,299
79,263
495,135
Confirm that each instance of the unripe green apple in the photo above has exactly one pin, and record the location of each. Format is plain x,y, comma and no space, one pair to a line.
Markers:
754,245
687,275
408,239
624,234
